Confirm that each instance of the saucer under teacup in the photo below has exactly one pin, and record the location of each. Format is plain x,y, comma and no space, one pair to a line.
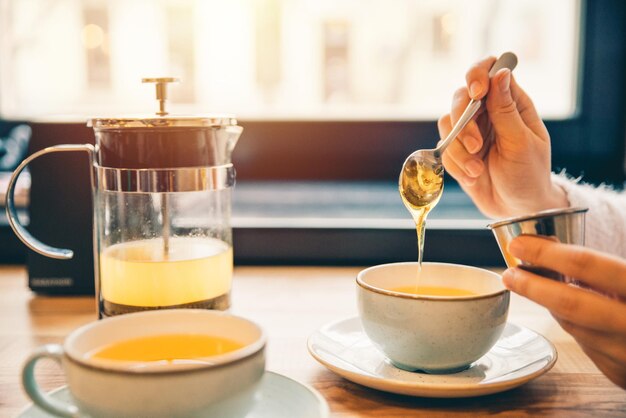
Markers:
520,355
277,397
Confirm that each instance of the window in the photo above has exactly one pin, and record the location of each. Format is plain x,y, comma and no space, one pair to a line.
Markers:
279,59
327,91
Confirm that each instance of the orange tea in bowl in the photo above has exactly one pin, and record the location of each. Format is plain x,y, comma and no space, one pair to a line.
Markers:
433,291
166,349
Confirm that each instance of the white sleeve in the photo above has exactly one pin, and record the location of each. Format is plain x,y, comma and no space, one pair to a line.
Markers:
605,227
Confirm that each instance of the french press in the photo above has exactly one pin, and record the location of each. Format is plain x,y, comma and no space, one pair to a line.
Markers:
162,202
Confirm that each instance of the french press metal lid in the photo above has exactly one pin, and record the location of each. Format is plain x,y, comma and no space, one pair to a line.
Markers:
156,153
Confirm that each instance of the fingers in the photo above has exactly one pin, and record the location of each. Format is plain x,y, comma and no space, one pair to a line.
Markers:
471,165
508,105
527,111
503,113
457,172
478,84
600,271
463,166
470,136
585,308
477,78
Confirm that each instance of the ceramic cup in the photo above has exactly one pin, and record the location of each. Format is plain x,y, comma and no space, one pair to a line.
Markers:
223,388
434,334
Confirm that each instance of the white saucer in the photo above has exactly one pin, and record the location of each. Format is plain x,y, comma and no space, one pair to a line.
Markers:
278,397
519,356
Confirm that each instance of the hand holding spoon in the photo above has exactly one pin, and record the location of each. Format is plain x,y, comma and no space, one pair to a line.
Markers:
421,178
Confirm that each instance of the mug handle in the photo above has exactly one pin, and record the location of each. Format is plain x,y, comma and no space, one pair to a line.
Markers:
21,232
40,398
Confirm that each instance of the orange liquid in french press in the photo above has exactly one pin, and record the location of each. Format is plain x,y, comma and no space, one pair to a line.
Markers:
139,275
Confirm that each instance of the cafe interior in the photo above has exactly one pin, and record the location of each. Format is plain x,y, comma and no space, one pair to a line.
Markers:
235,221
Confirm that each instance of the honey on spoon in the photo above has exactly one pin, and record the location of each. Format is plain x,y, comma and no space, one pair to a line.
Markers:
421,178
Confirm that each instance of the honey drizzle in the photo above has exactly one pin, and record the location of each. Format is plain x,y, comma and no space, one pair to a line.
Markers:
421,190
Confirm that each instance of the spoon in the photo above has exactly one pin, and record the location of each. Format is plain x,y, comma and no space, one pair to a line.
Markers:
421,178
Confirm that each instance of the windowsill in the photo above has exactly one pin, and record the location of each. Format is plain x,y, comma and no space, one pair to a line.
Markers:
340,223
352,223
344,205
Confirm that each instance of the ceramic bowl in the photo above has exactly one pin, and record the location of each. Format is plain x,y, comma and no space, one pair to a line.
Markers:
434,334
224,386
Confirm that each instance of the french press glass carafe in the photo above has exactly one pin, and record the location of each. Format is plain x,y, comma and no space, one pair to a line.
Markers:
162,202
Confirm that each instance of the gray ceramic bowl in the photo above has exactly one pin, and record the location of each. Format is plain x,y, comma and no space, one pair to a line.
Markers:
435,334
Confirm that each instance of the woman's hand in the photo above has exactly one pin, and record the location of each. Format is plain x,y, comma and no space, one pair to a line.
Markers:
502,158
596,321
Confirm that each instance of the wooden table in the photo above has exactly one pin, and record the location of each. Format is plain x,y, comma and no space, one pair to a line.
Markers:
291,303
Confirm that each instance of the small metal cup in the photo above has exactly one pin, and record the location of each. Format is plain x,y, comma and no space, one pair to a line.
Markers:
560,225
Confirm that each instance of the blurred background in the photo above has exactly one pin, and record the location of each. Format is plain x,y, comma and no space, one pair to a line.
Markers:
332,95
280,59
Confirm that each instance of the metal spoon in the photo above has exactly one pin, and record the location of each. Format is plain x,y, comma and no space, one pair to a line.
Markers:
426,189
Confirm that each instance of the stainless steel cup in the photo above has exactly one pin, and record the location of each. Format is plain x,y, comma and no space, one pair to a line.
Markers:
560,225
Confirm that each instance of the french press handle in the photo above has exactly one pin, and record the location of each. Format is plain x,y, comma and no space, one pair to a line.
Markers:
21,232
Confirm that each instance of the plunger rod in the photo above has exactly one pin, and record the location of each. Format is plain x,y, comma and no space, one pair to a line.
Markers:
165,214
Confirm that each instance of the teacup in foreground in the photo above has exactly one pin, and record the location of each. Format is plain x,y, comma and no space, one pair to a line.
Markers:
455,324
169,363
